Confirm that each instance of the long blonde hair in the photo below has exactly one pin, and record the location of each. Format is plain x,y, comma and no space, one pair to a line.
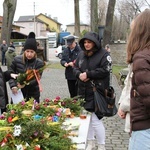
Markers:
139,38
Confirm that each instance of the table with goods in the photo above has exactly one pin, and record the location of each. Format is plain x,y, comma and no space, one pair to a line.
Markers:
55,124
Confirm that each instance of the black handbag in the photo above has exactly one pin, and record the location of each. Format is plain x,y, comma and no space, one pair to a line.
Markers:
104,102
105,105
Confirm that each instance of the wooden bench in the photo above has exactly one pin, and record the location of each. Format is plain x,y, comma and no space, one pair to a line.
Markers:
123,74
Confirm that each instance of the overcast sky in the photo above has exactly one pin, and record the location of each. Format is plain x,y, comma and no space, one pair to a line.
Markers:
62,9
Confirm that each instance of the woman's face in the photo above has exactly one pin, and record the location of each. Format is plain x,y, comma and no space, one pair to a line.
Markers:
88,44
29,53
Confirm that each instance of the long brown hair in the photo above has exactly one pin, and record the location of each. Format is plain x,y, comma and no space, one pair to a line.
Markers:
139,38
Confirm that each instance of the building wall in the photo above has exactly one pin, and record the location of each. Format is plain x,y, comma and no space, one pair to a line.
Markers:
71,28
16,28
39,30
118,54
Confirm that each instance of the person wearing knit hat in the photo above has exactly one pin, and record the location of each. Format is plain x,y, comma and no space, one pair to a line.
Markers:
27,61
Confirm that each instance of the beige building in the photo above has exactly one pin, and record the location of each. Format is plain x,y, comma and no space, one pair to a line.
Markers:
40,24
32,24
70,28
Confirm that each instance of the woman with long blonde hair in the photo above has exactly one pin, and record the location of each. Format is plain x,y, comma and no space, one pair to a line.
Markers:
21,64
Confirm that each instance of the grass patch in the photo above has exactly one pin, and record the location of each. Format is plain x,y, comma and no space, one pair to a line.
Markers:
56,65
116,69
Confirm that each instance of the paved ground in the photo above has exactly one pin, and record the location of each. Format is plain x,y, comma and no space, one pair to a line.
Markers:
54,84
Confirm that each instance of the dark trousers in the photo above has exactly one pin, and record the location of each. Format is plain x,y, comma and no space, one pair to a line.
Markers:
3,58
72,86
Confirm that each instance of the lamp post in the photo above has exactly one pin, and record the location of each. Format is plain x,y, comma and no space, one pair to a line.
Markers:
34,16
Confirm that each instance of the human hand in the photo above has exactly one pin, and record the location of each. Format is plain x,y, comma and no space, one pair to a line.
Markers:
83,76
14,90
121,114
14,75
66,64
71,64
20,86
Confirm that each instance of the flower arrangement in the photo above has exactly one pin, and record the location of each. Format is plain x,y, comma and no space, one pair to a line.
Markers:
38,126
30,74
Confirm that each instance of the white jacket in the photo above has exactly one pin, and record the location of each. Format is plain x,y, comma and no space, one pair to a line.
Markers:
124,100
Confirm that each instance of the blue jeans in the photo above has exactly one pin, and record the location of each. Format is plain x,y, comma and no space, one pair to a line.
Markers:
140,140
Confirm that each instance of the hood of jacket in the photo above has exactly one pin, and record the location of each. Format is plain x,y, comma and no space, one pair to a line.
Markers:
11,49
92,36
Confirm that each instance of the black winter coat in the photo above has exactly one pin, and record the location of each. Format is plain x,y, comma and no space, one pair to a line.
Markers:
97,68
69,56
4,76
18,66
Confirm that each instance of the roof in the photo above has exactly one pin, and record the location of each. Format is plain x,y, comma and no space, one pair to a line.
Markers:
18,35
50,18
31,19
81,24
25,18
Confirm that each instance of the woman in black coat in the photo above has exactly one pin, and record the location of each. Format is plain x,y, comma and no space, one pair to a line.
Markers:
92,64
27,61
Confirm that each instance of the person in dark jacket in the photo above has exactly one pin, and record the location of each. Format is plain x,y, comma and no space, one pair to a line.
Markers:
21,63
4,77
3,49
12,44
92,64
68,57
138,53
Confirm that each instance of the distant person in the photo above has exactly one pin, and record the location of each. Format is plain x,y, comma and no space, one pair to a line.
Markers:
107,47
69,55
10,54
40,52
3,49
12,44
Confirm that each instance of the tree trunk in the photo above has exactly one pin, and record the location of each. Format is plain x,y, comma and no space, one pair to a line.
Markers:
109,22
94,15
9,8
77,18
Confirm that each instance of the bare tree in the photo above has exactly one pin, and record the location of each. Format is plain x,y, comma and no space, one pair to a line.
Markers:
94,15
77,18
102,8
127,11
109,22
130,8
148,4
9,8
